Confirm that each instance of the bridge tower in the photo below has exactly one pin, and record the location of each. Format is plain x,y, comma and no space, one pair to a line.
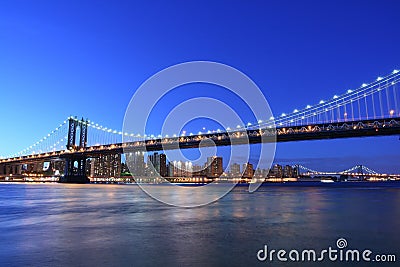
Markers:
75,163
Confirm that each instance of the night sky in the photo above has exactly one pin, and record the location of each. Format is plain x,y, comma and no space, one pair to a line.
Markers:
87,58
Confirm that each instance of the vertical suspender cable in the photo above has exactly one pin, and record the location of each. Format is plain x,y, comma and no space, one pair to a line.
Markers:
387,97
359,107
373,105
395,99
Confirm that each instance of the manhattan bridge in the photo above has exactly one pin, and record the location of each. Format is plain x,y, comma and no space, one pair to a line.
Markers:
370,110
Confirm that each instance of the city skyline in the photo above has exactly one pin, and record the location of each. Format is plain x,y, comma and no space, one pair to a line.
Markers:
158,165
55,62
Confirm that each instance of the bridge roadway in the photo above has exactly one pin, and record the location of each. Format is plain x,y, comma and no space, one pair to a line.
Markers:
350,129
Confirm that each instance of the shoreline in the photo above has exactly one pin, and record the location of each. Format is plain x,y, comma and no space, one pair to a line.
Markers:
344,184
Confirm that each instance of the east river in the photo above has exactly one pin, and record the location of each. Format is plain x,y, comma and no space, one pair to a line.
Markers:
119,225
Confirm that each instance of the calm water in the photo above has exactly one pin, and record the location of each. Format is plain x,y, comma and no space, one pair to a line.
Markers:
119,225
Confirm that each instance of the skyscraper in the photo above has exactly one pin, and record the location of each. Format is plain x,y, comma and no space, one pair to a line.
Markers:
158,163
248,170
277,171
106,165
288,171
180,169
235,170
135,163
214,167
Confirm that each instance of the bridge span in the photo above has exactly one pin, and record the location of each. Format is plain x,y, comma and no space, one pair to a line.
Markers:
370,110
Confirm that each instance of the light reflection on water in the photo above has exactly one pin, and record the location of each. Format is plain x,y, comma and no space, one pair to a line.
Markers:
119,225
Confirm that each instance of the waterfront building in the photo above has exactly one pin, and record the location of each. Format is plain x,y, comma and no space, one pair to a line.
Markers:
258,173
135,163
276,171
288,171
296,171
214,167
248,171
157,163
106,165
235,170
180,169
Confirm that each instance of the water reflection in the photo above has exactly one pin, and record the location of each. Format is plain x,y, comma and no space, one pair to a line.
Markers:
53,224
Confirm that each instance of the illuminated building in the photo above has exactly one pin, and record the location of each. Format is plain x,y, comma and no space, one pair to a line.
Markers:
276,171
248,170
214,167
180,169
158,164
107,165
288,171
235,170
135,163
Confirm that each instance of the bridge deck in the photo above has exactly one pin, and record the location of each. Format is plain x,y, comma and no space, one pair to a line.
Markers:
363,128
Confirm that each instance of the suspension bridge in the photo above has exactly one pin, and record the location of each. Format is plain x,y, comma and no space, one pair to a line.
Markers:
358,170
370,110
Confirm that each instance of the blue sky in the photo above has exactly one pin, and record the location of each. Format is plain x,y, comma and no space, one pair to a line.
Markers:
87,58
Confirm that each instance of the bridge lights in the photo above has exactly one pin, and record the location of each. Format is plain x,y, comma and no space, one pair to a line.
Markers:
295,111
322,101
395,71
283,115
379,79
364,84
308,106
335,97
